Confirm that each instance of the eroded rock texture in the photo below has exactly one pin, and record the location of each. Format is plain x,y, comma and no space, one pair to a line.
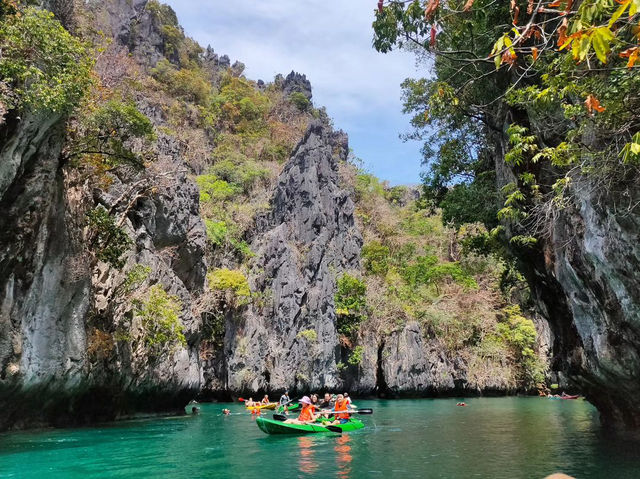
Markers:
588,287
307,239
52,298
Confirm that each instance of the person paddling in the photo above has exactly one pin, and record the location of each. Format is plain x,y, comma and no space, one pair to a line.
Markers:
327,402
306,415
341,405
265,399
284,402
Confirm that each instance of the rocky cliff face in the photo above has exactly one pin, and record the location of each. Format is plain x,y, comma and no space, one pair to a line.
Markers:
53,300
42,305
70,325
306,240
60,309
586,286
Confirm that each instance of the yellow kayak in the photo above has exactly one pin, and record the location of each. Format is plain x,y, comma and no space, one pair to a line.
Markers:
271,405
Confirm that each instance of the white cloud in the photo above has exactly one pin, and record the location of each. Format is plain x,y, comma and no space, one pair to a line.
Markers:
328,40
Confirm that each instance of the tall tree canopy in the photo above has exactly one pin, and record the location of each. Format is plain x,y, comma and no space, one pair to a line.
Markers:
549,87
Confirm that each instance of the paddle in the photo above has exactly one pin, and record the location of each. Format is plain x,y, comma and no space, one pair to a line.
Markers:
355,411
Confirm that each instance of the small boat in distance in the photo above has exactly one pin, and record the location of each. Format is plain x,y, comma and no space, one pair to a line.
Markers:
562,396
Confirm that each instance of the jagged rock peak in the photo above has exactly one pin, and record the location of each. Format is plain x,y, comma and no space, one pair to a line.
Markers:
307,240
294,82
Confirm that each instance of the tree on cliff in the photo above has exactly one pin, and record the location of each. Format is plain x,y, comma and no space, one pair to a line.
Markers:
553,83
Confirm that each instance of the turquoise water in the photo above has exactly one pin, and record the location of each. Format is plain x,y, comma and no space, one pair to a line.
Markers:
491,438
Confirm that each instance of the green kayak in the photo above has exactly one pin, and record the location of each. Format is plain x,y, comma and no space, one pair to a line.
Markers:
294,406
271,426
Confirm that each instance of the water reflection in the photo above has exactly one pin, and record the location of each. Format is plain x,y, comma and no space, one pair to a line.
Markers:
306,462
343,457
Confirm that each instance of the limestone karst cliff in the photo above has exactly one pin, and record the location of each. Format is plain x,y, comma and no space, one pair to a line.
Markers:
232,248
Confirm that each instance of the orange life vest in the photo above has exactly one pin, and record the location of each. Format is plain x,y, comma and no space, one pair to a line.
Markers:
341,406
307,413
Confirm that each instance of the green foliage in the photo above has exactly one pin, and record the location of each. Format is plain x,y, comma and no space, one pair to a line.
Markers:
162,13
421,223
520,334
108,240
460,204
351,304
355,358
428,270
376,258
160,320
214,189
396,194
367,184
240,107
244,174
108,133
301,102
213,328
231,281
217,232
309,334
222,234
177,47
46,67
189,84
135,277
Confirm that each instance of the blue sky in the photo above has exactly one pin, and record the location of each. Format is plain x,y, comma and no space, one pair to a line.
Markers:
329,41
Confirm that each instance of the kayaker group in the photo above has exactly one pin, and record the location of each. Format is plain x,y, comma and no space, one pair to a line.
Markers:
263,402
332,409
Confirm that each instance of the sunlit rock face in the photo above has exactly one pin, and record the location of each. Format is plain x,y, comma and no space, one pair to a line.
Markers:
307,238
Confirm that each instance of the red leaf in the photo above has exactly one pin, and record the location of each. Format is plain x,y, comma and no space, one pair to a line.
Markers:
468,5
434,32
380,6
593,104
509,57
430,11
516,15
534,52
632,54
562,32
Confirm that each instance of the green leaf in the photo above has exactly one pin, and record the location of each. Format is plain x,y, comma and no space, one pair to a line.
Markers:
618,13
601,39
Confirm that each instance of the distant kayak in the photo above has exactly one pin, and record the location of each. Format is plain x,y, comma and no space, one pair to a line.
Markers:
565,396
259,407
294,406
271,426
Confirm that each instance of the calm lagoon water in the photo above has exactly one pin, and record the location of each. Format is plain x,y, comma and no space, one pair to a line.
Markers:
491,438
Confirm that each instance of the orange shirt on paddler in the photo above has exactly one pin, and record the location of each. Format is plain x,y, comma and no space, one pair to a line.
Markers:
341,405
307,413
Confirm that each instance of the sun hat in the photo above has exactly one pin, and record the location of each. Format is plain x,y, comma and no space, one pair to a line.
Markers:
305,400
